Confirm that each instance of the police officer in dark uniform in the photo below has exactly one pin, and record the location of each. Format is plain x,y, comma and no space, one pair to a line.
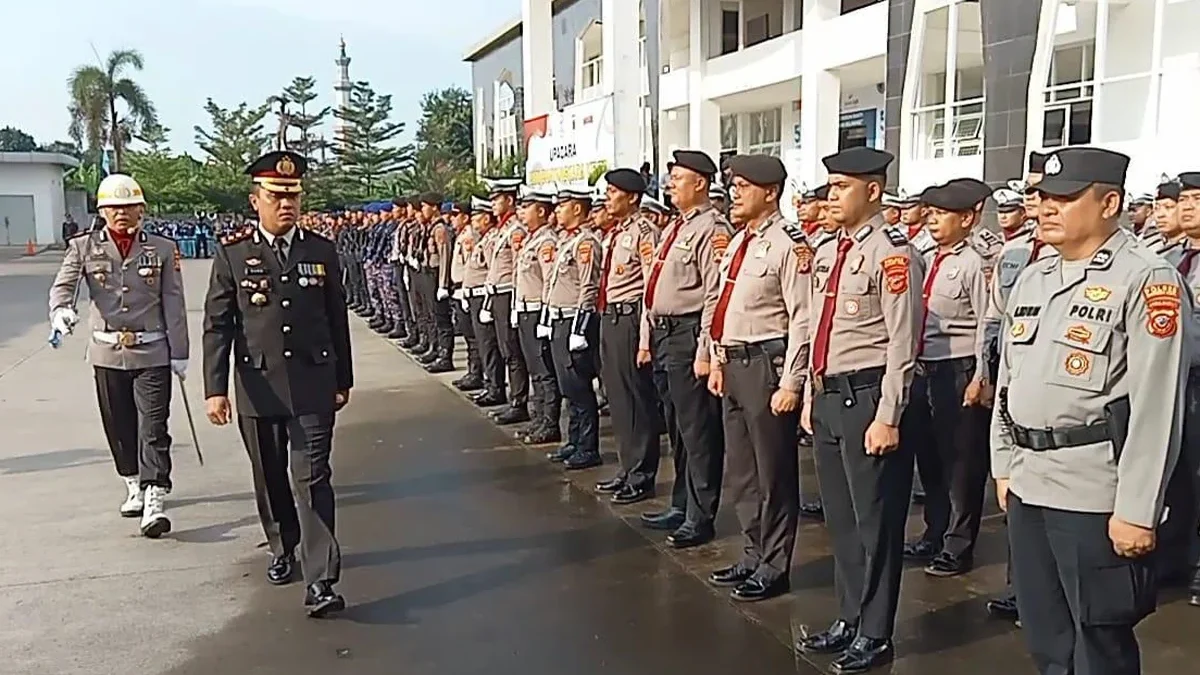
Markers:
275,303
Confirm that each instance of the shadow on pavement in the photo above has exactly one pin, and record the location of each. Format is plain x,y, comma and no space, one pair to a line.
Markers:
52,461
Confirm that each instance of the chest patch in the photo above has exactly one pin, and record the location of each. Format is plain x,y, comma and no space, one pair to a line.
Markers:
1091,313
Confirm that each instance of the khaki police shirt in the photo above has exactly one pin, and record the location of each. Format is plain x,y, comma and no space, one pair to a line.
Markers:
1192,284
958,300
629,249
507,243
690,276
536,256
575,278
770,297
478,252
441,238
1076,336
1015,256
458,257
988,245
141,293
877,312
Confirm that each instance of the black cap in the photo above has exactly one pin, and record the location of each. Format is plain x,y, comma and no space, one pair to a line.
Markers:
978,189
1189,180
822,192
460,207
1169,188
432,198
1037,161
400,201
762,170
279,171
952,196
626,180
1072,170
694,160
858,161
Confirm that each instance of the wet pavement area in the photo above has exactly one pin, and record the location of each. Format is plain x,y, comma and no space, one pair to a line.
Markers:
464,552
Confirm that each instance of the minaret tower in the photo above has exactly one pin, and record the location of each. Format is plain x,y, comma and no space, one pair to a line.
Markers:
341,90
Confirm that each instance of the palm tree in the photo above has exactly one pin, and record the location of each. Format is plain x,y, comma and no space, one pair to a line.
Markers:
95,91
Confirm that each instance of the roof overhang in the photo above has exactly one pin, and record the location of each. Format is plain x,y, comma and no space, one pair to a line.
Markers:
65,161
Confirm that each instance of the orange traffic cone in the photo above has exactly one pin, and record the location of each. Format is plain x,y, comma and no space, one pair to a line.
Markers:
30,249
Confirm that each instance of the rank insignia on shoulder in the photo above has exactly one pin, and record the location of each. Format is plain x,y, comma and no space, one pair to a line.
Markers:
895,236
794,233
235,237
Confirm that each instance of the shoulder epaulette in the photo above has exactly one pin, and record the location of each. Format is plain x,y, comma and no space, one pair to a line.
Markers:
895,236
234,237
645,227
991,238
317,235
794,233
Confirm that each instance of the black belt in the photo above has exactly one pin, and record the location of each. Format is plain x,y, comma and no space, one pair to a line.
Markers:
1040,440
844,383
748,351
669,323
621,308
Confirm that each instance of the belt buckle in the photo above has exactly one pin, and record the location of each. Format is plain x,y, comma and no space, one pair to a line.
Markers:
126,338
818,383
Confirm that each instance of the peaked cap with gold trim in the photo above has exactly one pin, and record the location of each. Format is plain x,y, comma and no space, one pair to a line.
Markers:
279,171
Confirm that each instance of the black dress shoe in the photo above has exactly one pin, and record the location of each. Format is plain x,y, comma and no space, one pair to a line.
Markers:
804,440
948,565
384,328
409,342
541,435
469,382
279,572
755,590
727,577
375,324
320,600
921,549
611,486
631,494
560,455
442,365
690,535
1003,608
582,460
398,332
814,510
667,521
489,399
832,640
427,357
512,415
862,655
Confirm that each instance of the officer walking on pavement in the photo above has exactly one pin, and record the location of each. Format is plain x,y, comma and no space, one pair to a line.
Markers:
1086,430
275,304
629,381
760,333
866,315
534,267
681,297
569,320
137,336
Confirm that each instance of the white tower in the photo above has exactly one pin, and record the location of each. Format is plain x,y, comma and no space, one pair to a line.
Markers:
341,90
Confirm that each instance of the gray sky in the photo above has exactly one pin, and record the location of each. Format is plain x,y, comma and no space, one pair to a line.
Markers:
234,51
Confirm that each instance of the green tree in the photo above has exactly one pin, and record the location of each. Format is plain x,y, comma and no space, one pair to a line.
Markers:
237,137
172,182
15,140
301,93
364,149
506,166
445,126
95,92
62,147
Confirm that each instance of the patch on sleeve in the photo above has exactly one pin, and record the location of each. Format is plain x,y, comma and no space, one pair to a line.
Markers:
547,252
518,238
1162,309
897,238
895,273
584,253
468,244
646,250
804,258
439,235
720,242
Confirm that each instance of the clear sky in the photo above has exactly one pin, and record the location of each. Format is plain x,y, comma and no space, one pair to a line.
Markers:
234,51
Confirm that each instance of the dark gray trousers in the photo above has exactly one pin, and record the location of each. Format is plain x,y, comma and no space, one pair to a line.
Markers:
632,399
134,408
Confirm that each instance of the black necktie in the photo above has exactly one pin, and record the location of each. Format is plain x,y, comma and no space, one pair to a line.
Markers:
281,250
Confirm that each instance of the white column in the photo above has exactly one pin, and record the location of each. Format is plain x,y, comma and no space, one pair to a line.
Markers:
537,57
820,96
704,116
622,77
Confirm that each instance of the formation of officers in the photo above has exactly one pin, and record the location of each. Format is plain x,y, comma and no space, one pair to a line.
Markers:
896,330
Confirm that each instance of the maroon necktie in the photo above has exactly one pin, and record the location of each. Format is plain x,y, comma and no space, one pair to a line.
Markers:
735,266
820,348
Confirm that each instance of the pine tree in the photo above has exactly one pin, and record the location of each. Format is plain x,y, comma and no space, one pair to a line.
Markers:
364,148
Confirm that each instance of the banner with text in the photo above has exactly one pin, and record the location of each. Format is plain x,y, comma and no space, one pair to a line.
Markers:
575,144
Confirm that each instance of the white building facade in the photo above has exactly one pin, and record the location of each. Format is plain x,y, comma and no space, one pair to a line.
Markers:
32,199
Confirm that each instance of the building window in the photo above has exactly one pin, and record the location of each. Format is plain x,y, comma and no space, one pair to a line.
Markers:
851,5
731,21
763,132
948,110
1067,115
506,120
729,135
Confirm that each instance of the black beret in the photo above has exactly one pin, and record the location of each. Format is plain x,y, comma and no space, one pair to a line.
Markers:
1190,180
1072,170
821,193
952,196
858,161
400,201
694,160
1037,161
978,189
460,207
626,180
762,170
432,198
1169,190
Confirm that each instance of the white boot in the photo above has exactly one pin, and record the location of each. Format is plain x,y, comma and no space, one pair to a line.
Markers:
132,508
154,516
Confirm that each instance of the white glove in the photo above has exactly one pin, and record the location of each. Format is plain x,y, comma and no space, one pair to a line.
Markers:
577,343
465,304
442,294
179,367
485,316
406,278
63,320
513,319
459,295
543,332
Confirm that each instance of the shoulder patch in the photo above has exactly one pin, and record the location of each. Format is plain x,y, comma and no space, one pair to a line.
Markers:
804,258
794,233
1162,309
584,252
895,236
895,273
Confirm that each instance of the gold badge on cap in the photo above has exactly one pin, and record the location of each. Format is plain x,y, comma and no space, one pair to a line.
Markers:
1053,165
123,192
285,167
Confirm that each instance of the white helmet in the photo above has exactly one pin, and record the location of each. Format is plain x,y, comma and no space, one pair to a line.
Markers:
119,189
